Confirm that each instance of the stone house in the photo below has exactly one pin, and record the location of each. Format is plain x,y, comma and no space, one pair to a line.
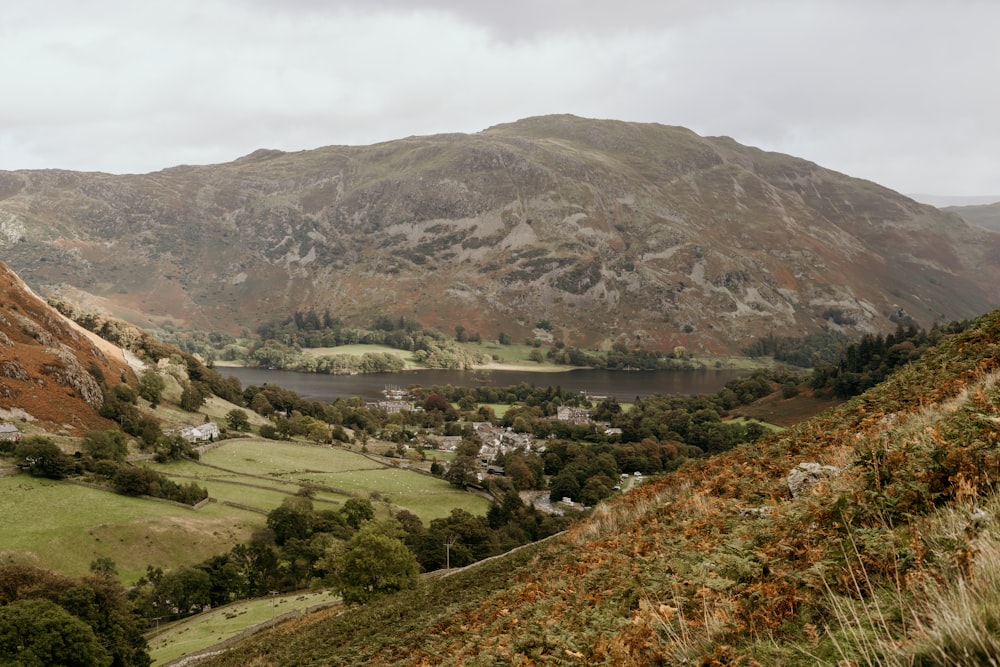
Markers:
10,432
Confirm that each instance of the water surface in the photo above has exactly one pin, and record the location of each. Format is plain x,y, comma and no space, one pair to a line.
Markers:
623,385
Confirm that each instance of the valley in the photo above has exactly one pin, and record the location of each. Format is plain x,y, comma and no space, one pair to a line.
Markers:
349,372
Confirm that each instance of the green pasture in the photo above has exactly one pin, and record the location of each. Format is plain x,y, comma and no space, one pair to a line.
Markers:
65,527
744,421
209,628
515,354
499,409
284,466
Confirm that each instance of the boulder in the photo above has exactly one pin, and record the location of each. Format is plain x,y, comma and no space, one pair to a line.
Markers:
805,476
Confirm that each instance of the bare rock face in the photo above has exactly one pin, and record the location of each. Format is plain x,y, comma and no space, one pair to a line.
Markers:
68,372
804,477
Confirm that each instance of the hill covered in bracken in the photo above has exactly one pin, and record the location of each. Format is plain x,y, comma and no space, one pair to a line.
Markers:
883,548
51,371
610,232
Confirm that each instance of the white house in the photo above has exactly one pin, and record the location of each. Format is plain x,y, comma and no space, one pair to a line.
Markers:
201,433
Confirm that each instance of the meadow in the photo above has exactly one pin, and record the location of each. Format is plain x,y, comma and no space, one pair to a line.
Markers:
65,527
283,467
219,624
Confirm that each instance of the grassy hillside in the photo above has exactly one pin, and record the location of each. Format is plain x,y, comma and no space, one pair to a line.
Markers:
895,559
64,527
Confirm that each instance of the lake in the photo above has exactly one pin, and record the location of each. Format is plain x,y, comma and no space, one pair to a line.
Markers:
623,385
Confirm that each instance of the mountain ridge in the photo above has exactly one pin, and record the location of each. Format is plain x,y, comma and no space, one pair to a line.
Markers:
622,232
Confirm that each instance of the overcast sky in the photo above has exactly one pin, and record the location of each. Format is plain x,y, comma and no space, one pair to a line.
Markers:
903,92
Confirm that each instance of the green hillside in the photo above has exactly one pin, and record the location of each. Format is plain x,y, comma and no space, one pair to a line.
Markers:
891,558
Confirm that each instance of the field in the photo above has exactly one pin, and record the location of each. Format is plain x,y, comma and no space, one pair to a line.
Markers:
65,527
515,356
283,467
212,627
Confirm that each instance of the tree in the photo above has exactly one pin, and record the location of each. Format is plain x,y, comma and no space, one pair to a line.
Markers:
98,601
193,396
358,510
43,458
437,403
318,432
151,386
564,485
131,481
109,445
39,632
596,489
374,562
462,471
238,420
104,567
520,474
187,589
289,523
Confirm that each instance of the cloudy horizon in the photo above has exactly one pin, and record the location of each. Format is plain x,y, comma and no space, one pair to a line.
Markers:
900,93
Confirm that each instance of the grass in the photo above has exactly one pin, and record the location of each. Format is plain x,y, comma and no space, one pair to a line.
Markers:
951,619
515,356
287,465
204,630
744,421
64,527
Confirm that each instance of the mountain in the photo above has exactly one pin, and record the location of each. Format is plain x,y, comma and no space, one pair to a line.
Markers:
51,370
951,201
890,555
611,231
984,215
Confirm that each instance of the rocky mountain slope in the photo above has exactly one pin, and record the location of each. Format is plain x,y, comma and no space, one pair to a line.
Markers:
50,369
883,549
611,231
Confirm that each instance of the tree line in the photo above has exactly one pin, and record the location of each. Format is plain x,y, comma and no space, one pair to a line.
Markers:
867,362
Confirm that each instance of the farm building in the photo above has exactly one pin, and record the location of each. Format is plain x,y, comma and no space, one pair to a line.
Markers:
10,432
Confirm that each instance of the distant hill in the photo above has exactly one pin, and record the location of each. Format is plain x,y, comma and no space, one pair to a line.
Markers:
640,234
984,215
950,201
890,556
51,370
